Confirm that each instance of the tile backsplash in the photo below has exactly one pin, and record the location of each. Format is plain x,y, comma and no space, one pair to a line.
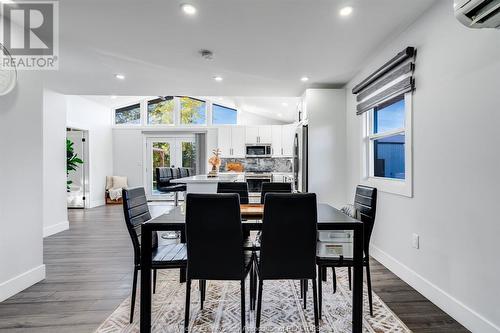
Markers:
260,164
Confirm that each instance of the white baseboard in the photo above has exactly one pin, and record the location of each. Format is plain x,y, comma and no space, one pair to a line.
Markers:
469,318
97,203
18,283
54,229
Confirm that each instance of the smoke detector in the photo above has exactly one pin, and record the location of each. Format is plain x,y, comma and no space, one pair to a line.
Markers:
207,54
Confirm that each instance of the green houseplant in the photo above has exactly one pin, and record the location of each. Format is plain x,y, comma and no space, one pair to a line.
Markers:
72,161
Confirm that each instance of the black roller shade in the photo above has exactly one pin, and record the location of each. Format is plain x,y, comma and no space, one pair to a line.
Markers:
396,76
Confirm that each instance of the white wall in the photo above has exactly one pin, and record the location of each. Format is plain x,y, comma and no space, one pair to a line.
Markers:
85,114
21,174
128,147
327,144
456,119
55,214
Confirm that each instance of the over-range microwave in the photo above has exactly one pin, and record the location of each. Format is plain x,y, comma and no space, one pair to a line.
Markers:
258,150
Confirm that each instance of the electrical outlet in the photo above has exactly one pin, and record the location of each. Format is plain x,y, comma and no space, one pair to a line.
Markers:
415,241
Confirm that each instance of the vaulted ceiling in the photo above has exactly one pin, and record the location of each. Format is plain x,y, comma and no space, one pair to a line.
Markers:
261,47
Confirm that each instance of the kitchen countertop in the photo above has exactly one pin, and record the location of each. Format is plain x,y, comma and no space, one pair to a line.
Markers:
204,179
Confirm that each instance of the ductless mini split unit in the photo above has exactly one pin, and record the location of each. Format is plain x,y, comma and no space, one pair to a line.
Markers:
478,14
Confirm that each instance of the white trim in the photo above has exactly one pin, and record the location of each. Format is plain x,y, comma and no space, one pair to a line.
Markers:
449,304
18,283
55,228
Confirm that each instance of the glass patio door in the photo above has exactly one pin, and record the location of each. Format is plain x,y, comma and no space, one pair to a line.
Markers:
167,152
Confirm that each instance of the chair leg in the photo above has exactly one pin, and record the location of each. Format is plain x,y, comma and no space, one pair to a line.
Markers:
315,299
349,276
252,291
202,293
243,312
134,289
188,301
306,283
255,286
301,288
154,281
320,290
369,282
259,306
324,274
176,198
334,280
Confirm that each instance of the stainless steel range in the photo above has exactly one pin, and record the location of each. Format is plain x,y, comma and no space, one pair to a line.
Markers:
255,180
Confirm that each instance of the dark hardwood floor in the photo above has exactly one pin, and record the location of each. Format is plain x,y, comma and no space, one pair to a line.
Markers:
89,273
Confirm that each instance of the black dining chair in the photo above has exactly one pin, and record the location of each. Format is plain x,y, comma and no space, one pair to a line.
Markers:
338,251
274,188
241,188
136,211
214,237
184,172
288,243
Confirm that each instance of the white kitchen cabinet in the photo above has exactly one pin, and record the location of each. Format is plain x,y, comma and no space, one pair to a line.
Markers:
224,141
282,140
251,134
276,140
231,141
238,142
258,134
265,134
287,138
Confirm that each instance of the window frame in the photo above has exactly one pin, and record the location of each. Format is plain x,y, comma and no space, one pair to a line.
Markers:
124,107
223,106
402,187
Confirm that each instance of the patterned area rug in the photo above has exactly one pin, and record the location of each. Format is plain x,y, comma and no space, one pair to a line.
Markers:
281,309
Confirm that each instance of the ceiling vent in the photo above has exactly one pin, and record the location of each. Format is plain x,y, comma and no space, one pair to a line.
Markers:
478,14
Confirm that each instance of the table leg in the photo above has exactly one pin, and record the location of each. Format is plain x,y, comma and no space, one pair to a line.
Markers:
182,271
146,239
357,290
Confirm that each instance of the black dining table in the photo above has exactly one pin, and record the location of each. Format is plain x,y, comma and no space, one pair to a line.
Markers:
329,218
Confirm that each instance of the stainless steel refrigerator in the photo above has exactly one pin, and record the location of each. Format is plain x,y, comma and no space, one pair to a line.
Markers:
300,157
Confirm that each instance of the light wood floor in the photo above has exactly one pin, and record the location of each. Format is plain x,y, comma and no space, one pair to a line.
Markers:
89,273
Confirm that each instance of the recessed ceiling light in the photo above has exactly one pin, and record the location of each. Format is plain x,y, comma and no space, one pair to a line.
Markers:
188,9
280,114
218,78
346,11
284,104
304,79
120,76
220,98
113,96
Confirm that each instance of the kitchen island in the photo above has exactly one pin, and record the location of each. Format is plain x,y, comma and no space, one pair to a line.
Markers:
203,183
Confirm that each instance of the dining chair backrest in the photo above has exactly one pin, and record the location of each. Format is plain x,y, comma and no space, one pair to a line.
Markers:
175,173
240,188
365,203
163,176
288,241
136,212
274,188
214,237
184,172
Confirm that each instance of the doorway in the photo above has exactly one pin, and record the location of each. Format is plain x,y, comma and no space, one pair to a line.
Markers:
168,151
78,184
